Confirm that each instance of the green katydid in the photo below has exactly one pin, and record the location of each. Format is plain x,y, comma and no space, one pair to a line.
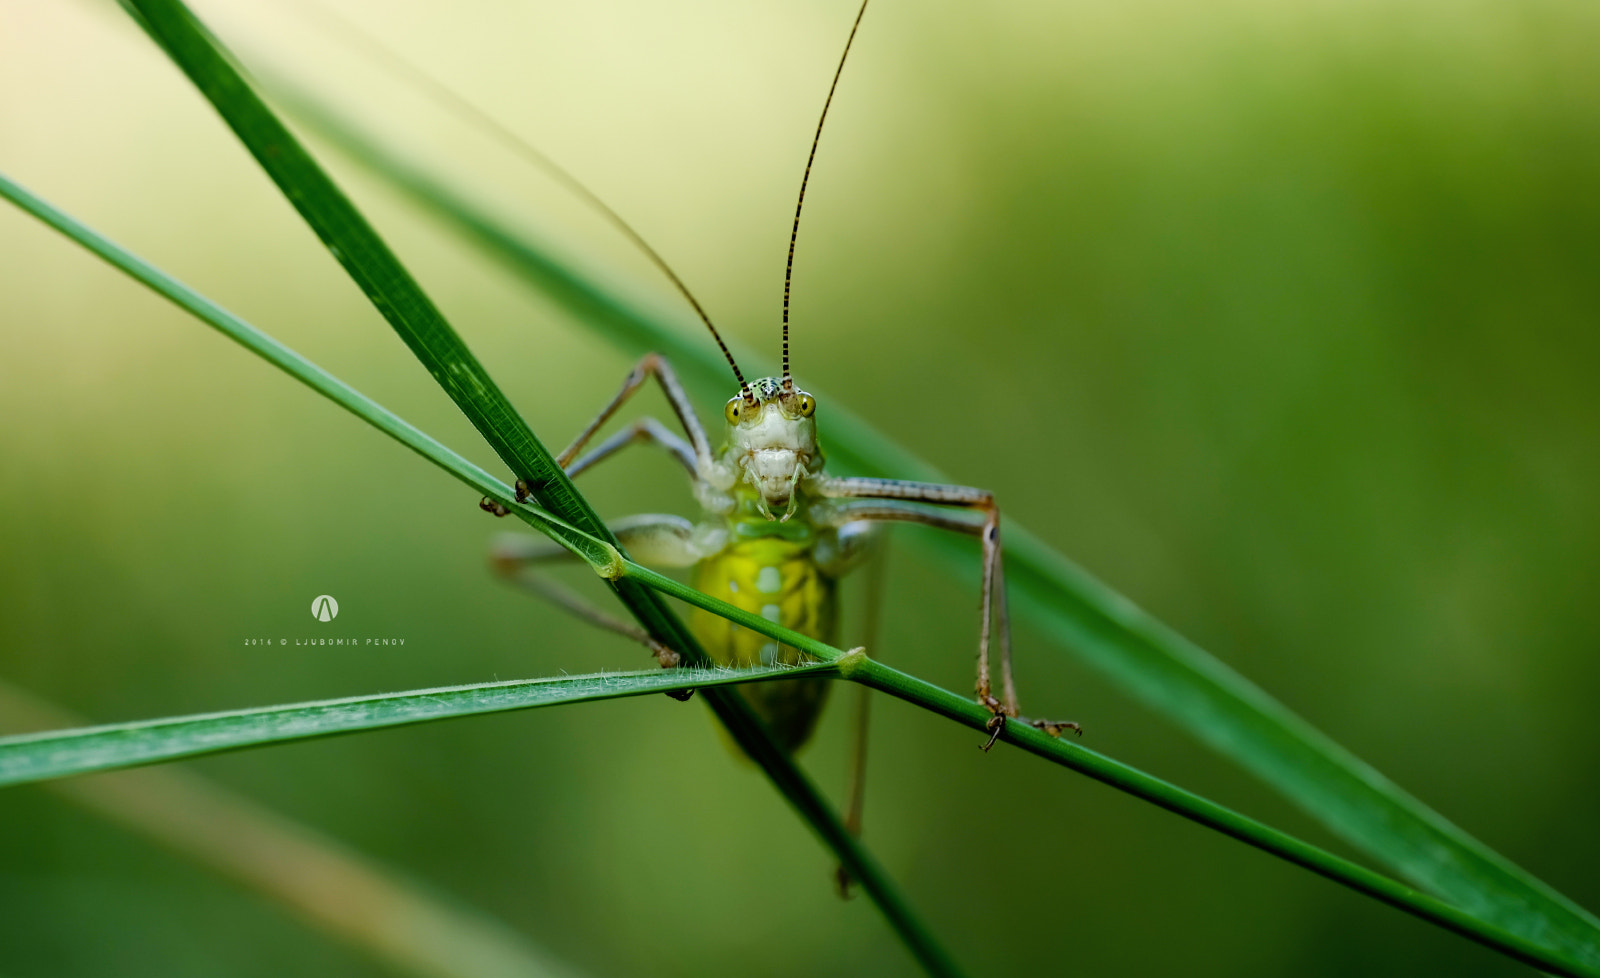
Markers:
777,532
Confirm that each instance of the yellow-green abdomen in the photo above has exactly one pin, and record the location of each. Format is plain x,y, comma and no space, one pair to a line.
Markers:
776,579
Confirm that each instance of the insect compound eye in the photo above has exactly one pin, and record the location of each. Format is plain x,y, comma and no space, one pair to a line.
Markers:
808,405
734,410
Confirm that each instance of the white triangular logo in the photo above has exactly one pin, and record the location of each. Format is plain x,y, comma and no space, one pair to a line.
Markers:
324,608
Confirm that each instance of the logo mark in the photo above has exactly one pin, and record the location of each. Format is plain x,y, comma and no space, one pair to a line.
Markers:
324,608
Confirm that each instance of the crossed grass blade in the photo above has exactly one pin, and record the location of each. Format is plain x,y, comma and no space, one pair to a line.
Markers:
1163,669
1114,628
396,295
73,751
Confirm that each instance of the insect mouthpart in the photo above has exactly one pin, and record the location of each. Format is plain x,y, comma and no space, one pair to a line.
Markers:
775,474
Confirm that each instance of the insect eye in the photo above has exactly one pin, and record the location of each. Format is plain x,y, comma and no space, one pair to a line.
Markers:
734,410
808,405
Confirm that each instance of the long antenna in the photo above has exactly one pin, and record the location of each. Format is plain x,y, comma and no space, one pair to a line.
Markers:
794,232
439,92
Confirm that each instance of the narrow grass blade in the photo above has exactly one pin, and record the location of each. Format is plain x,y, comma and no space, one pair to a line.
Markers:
62,753
794,786
414,317
595,552
1208,813
856,666
351,898
853,665
1177,678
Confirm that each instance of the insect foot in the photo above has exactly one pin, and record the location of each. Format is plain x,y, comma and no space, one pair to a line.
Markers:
1056,728
492,507
843,883
670,659
996,724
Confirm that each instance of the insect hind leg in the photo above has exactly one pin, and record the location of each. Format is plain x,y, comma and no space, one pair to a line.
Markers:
862,542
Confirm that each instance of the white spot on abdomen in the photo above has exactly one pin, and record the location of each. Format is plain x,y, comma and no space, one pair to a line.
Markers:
769,581
770,613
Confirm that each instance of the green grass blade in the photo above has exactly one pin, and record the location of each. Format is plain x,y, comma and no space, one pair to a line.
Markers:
856,666
402,302
1237,718
62,753
365,257
406,924
800,792
1540,954
1174,676
596,552
589,295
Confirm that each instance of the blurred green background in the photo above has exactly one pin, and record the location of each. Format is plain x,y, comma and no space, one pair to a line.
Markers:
1281,318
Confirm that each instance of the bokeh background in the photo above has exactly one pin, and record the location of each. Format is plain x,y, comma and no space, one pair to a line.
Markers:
1279,317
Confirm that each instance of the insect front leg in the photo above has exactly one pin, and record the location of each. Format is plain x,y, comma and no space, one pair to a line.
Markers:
892,500
646,431
695,456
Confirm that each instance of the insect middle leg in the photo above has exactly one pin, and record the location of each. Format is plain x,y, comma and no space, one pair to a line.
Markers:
849,500
660,539
693,455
